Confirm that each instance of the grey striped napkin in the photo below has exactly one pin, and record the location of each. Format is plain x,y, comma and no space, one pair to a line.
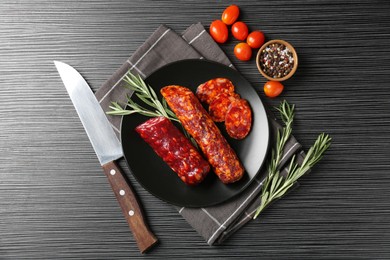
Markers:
164,46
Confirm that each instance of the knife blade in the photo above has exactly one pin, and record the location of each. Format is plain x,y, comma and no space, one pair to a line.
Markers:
108,149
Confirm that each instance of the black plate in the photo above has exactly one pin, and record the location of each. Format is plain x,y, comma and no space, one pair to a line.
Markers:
156,176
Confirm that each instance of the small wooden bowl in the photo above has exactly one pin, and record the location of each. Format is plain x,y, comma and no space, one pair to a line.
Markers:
290,47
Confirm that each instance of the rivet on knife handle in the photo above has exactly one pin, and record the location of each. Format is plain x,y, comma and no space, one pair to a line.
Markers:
131,209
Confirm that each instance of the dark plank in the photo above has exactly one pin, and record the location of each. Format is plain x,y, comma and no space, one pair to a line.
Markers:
56,203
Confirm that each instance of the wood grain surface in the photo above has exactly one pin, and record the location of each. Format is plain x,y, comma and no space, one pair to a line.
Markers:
55,202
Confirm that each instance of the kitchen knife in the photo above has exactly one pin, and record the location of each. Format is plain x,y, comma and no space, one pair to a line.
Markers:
108,149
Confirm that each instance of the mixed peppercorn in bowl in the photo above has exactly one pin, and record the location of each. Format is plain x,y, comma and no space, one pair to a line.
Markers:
277,60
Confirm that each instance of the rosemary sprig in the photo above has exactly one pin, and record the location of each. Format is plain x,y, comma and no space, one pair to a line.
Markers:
147,95
275,185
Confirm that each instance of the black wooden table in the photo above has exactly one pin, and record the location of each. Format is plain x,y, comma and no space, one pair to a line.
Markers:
55,202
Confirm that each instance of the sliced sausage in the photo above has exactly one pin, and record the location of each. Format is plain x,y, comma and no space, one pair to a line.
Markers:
238,120
198,123
219,106
209,90
175,149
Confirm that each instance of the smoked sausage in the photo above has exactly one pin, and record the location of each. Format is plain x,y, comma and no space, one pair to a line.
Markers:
198,123
208,91
238,120
219,106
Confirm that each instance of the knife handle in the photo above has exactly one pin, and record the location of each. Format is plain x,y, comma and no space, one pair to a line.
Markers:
130,207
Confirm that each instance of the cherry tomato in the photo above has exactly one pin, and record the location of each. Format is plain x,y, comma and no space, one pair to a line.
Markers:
273,88
240,31
219,31
230,15
243,51
255,39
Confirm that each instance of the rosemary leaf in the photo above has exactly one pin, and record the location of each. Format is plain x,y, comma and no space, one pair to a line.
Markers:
154,94
170,113
144,99
274,181
120,113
